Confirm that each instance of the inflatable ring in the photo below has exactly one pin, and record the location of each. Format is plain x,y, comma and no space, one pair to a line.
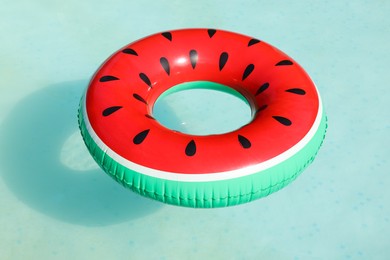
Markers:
117,124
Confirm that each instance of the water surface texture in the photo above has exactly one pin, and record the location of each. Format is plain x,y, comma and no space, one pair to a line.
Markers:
55,203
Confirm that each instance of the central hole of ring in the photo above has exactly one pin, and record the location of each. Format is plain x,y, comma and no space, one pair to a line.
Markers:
202,108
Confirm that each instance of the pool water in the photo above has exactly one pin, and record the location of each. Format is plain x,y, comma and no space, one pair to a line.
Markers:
56,203
202,108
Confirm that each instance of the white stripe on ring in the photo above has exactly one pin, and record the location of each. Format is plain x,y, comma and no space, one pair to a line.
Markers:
206,177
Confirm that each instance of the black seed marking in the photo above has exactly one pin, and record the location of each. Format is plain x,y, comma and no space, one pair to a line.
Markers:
261,108
130,51
193,58
245,143
150,117
107,78
262,88
297,91
211,32
108,111
253,41
165,64
283,120
139,98
140,137
248,71
191,148
284,63
167,35
145,79
223,59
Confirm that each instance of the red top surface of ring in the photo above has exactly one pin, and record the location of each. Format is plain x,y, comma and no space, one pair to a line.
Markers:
121,95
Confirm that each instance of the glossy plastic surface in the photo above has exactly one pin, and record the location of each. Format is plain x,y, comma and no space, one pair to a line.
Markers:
122,93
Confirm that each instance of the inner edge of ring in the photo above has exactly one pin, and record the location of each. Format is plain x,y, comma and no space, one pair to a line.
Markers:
238,92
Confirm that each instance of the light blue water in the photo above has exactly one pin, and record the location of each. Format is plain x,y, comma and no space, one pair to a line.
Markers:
202,108
56,204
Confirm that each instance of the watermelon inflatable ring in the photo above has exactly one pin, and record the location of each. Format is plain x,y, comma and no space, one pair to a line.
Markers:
118,127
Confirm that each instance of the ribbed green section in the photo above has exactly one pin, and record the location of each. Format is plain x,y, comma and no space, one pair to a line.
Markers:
207,194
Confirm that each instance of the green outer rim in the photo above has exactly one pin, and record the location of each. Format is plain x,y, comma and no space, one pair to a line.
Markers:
210,194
